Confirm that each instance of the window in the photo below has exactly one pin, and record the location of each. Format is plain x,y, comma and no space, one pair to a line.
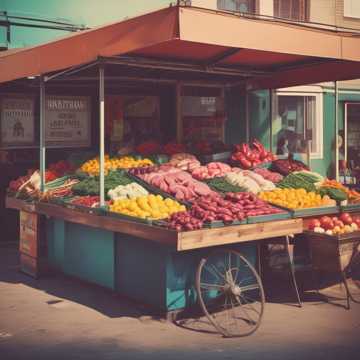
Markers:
298,117
291,9
352,8
244,6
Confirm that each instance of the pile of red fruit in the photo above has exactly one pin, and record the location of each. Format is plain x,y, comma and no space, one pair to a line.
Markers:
335,225
184,221
174,148
247,157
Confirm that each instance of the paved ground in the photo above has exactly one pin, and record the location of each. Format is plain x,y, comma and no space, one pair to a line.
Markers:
61,318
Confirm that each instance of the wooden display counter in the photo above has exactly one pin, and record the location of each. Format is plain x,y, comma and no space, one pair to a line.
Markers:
182,241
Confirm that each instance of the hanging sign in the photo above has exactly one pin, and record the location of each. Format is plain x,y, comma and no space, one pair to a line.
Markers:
67,121
17,121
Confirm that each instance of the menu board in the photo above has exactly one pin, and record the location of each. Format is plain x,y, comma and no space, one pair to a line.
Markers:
67,121
17,121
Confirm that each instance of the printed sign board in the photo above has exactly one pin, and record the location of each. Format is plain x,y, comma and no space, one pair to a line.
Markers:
17,121
67,120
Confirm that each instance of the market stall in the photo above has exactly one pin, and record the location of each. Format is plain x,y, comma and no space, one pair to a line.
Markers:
140,217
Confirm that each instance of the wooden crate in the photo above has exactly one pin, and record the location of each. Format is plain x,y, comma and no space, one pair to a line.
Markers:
332,253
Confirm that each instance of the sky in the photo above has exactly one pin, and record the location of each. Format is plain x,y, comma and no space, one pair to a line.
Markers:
80,12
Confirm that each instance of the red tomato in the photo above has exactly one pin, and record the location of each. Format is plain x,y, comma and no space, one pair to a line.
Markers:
313,224
356,220
346,218
335,218
325,221
329,226
339,223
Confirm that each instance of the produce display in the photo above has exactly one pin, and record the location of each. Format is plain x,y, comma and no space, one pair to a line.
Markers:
296,198
172,148
129,191
287,166
91,185
208,148
152,207
215,207
184,161
211,170
235,206
92,167
176,182
148,148
335,225
247,156
352,195
272,176
297,181
336,194
219,184
61,168
28,183
216,191
252,205
184,221
58,188
249,180
88,201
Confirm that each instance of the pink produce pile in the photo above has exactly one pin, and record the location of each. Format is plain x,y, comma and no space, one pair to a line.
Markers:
186,162
176,182
269,175
211,170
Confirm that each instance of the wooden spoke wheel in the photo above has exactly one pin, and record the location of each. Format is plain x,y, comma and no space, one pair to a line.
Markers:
353,276
230,293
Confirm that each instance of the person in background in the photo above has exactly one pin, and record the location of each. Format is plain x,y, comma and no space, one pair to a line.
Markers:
301,151
282,147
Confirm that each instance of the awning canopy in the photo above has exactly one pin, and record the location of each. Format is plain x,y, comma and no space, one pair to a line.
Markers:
258,53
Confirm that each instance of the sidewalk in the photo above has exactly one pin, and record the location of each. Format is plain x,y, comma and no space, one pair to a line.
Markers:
61,318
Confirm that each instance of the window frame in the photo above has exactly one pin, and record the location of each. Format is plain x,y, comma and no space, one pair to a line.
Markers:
319,117
348,10
256,6
276,9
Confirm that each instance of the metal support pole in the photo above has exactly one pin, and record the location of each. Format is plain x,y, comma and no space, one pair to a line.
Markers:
271,118
247,116
102,134
42,135
336,130
179,119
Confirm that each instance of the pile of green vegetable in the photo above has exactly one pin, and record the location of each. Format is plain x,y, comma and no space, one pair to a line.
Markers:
219,184
91,185
299,180
335,194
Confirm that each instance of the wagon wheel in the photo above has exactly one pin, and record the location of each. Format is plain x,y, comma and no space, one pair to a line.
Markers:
230,293
353,276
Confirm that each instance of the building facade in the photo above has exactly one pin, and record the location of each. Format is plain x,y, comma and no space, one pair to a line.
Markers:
305,112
